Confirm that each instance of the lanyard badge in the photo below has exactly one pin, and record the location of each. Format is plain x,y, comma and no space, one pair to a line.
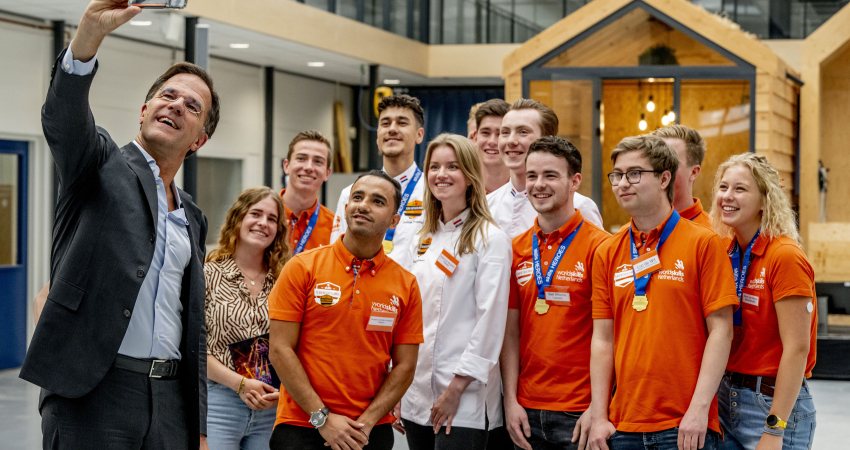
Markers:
644,266
408,191
740,267
307,232
540,306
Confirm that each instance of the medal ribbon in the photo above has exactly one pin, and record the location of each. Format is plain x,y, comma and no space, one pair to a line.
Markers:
642,282
408,191
543,283
741,268
307,232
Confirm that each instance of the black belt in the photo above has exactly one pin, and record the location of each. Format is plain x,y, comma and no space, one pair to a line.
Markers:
153,368
751,381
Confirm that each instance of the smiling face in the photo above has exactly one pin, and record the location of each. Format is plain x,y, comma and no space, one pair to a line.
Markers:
519,129
739,200
398,132
446,180
174,118
487,141
307,166
371,210
548,182
259,226
645,195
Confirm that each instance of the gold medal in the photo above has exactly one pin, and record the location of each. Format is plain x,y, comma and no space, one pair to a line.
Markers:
541,307
640,303
388,246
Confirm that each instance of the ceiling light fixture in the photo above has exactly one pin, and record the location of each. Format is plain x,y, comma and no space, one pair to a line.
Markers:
316,64
141,23
392,81
239,46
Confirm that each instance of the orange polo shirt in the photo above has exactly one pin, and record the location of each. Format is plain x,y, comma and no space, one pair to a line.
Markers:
297,224
695,213
554,348
658,351
345,363
778,269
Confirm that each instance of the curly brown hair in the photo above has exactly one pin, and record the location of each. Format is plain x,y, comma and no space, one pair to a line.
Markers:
277,253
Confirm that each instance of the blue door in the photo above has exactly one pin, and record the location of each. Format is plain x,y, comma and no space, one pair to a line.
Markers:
13,253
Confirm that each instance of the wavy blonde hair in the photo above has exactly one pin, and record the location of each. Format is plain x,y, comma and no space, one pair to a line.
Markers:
476,198
777,217
276,254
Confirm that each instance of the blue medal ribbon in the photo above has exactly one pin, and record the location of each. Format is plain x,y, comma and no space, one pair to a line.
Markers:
741,267
543,283
307,231
642,282
408,191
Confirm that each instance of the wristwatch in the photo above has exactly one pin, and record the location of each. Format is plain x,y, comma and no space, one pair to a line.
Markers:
775,423
318,418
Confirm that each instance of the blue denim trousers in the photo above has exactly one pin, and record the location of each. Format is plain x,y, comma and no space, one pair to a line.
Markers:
659,440
551,429
743,412
231,425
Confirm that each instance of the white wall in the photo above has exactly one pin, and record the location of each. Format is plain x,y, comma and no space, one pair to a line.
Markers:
125,73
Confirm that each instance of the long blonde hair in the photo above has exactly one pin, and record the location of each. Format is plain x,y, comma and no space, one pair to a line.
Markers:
277,253
476,198
777,217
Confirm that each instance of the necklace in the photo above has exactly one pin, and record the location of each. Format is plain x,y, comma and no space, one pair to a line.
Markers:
253,279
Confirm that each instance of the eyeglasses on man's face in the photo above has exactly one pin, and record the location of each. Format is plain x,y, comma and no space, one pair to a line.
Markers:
632,176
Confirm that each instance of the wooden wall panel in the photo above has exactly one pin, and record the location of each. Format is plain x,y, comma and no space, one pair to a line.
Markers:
835,134
829,251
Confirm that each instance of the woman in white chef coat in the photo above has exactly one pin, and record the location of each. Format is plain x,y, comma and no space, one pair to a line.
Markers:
462,262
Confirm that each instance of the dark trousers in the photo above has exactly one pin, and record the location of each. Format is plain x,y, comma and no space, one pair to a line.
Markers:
659,440
421,437
291,437
551,430
127,410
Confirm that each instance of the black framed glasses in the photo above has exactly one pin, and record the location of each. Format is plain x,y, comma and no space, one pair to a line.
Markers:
632,176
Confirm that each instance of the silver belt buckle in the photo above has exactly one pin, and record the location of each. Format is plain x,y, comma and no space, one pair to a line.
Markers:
154,364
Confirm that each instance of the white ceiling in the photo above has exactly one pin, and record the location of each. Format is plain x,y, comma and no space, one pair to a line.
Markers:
167,29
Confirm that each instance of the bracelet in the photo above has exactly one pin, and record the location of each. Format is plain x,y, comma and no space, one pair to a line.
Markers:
774,432
241,386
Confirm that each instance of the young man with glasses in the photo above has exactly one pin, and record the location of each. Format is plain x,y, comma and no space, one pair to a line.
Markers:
662,307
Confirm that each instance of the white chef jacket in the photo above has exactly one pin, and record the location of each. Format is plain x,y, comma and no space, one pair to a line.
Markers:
514,214
408,227
463,321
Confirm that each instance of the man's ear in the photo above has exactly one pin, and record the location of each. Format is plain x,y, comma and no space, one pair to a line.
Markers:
695,170
420,135
395,221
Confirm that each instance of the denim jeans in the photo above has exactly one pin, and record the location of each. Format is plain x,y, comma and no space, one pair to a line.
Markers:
292,437
231,425
551,429
743,412
659,440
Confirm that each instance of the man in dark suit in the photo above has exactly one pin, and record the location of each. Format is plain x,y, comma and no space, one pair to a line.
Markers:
119,349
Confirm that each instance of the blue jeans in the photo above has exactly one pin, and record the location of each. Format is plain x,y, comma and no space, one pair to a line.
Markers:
743,412
659,440
551,429
231,425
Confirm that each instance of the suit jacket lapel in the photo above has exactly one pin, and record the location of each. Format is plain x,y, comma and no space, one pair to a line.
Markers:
137,162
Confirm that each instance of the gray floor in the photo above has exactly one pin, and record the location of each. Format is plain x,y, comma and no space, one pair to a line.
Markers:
20,423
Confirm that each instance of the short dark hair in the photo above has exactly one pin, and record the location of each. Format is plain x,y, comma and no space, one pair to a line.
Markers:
548,118
383,175
694,143
559,147
661,157
310,135
188,68
495,107
403,101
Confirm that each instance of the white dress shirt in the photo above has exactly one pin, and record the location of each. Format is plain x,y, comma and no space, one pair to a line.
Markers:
463,321
407,228
514,214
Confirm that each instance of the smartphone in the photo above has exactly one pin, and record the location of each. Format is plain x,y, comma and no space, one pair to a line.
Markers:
157,4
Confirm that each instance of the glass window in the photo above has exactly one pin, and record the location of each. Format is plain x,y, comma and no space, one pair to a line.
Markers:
219,184
8,209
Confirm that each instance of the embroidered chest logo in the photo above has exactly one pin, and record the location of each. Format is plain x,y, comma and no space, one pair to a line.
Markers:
624,275
757,283
524,272
327,293
414,208
423,246
675,274
576,275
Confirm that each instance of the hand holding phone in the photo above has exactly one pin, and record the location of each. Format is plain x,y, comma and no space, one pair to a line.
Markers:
158,4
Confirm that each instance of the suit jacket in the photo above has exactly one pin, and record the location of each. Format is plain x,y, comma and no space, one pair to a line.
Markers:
104,235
